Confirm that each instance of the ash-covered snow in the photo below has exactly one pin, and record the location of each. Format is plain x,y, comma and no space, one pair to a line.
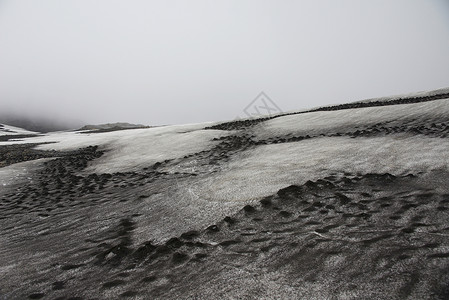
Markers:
142,149
326,121
410,95
265,169
132,149
268,168
353,204
19,173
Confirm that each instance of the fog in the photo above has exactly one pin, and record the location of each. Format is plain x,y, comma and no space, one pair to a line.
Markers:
174,62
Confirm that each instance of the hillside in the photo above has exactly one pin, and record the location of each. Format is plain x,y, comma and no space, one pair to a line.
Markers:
110,127
343,202
35,124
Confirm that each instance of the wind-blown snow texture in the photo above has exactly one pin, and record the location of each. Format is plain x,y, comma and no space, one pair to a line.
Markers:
343,202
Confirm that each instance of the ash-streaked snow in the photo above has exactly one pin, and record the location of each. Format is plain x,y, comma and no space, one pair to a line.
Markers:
132,149
11,130
19,173
353,204
410,95
266,169
325,121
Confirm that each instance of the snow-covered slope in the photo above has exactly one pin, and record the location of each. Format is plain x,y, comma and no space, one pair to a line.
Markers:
11,130
107,126
132,149
438,92
310,159
290,206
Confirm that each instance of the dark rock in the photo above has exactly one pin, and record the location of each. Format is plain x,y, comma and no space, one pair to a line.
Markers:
213,228
189,235
292,191
229,220
249,209
178,257
342,198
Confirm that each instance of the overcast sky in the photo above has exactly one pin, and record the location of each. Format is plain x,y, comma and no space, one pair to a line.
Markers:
173,62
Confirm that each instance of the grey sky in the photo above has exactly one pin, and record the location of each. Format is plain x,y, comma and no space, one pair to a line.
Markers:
172,62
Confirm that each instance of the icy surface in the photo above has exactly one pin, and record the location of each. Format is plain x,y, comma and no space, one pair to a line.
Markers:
19,173
410,95
323,122
266,169
132,149
138,148
192,227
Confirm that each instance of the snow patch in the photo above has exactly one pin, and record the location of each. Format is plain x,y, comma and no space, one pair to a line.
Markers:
266,169
19,172
410,95
132,152
132,149
330,121
11,130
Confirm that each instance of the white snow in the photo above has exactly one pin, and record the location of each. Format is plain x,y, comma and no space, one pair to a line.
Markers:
266,169
135,151
134,148
325,121
19,172
410,95
379,99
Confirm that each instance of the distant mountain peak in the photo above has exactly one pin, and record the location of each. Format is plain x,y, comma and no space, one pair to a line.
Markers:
111,127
